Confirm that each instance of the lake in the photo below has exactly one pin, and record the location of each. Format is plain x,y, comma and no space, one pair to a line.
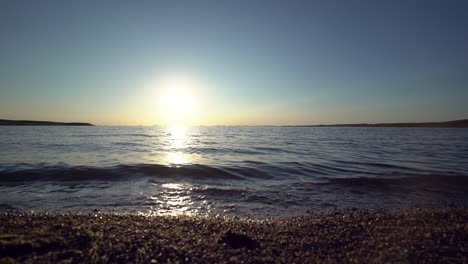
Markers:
238,171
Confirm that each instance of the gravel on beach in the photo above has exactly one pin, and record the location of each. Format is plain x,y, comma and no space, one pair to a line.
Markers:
360,236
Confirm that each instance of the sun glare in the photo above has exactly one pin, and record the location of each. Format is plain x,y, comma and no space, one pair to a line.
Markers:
177,100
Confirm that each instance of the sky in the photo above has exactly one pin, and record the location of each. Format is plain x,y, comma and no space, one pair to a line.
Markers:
234,62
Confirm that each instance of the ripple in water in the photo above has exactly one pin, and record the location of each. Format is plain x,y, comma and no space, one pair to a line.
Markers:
247,171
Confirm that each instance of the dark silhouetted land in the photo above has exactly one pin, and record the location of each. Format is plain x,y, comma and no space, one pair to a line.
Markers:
454,123
415,236
4,122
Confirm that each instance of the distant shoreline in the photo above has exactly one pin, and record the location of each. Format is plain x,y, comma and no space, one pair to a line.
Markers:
4,122
462,123
455,123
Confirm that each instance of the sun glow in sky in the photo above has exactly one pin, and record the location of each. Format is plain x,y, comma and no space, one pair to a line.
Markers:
177,100
233,62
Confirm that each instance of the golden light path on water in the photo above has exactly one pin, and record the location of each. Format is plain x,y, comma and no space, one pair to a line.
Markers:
178,141
174,198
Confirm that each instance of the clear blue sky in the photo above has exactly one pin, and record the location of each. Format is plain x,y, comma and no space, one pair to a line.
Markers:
260,62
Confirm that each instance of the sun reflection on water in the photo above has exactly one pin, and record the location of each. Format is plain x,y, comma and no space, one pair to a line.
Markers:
178,140
176,158
176,186
173,199
178,136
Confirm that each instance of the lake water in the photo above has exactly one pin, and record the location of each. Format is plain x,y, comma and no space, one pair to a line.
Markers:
243,171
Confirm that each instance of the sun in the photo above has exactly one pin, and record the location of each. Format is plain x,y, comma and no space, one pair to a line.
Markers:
177,100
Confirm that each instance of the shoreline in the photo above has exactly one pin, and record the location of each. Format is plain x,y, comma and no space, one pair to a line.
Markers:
408,235
6,122
462,123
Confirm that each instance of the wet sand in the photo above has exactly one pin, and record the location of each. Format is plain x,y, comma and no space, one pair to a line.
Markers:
418,235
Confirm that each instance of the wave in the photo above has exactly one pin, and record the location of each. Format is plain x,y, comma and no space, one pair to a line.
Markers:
115,135
408,181
286,172
220,191
116,173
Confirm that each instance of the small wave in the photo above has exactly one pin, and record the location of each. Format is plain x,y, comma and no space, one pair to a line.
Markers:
269,150
114,135
195,171
59,173
249,172
138,135
328,169
64,173
379,165
413,181
218,191
129,144
213,150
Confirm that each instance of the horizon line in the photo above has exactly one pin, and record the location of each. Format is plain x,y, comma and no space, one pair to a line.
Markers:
362,124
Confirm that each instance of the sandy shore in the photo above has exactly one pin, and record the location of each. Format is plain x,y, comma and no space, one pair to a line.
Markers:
360,236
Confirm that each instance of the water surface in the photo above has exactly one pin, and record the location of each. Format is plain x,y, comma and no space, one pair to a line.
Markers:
245,171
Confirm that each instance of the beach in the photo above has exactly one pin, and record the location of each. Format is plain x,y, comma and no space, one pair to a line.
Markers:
233,132
359,236
227,195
